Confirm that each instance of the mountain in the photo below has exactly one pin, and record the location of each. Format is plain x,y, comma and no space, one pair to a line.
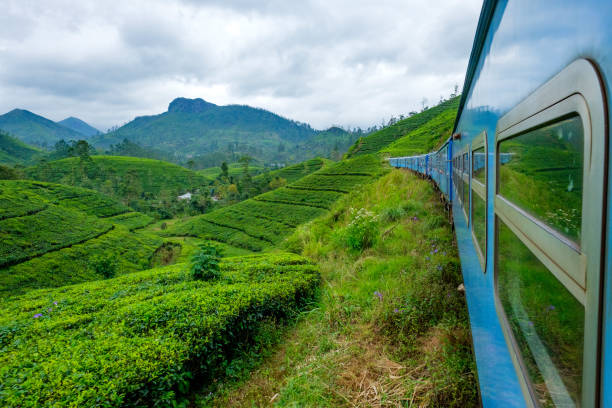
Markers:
210,134
14,151
80,126
35,129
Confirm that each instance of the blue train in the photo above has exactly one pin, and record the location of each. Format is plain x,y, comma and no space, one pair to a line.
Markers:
526,173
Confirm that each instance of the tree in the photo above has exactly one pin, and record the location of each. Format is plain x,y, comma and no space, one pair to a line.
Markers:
205,263
224,170
191,164
104,265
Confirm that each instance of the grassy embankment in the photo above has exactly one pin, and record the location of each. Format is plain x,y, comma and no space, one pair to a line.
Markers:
390,329
50,233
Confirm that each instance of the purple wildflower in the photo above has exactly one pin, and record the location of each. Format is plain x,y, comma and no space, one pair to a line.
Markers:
396,310
37,315
439,267
55,303
380,295
49,310
530,323
444,253
550,308
427,258
436,251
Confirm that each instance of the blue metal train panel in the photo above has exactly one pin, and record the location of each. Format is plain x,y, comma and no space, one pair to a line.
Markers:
528,179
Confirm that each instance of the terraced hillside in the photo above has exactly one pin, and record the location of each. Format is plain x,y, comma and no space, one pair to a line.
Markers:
139,183
139,339
381,139
424,139
263,221
291,173
51,235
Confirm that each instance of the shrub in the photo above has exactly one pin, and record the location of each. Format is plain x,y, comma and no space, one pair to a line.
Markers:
104,265
163,226
392,213
361,232
205,263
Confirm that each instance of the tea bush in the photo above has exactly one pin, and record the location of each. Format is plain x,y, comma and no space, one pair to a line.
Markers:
139,339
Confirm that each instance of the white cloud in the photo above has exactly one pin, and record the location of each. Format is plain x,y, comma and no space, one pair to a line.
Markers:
322,62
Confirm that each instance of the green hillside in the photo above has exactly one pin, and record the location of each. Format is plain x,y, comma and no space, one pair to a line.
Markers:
289,174
381,139
208,134
262,222
140,183
139,339
35,129
51,235
424,139
13,151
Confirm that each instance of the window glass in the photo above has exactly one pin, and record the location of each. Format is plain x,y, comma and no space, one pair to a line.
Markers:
478,165
546,320
479,221
541,172
465,162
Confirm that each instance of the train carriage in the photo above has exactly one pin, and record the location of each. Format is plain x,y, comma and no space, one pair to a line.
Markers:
528,177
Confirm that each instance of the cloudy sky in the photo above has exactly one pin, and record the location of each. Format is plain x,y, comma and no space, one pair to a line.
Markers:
324,62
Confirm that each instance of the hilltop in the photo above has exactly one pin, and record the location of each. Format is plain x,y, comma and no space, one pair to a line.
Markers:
35,129
80,126
209,134
147,185
14,151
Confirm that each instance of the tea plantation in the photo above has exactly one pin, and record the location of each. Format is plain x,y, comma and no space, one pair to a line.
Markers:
140,339
384,137
50,233
265,220
139,183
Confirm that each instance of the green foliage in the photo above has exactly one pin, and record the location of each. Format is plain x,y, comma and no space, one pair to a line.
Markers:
146,185
362,230
264,221
49,233
379,140
139,339
425,138
13,151
205,263
105,266
9,173
392,213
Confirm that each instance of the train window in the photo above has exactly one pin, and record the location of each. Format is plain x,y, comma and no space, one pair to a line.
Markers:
479,197
546,319
550,157
543,174
465,180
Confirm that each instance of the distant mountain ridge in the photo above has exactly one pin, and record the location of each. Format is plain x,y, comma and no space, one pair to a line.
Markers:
35,129
192,128
80,126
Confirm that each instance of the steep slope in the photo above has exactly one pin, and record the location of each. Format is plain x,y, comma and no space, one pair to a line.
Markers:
35,129
425,138
262,222
52,235
381,139
139,183
14,151
80,126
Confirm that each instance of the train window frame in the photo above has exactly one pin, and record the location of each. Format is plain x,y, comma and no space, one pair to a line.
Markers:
465,178
476,187
576,89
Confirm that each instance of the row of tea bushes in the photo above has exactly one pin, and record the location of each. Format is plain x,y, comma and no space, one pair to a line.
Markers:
139,339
